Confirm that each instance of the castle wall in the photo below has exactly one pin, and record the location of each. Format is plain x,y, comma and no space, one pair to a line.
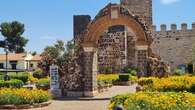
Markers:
175,45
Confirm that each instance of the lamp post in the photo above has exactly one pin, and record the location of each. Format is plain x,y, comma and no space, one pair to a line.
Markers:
6,77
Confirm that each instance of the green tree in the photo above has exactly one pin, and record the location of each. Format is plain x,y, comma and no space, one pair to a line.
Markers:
12,32
34,53
58,54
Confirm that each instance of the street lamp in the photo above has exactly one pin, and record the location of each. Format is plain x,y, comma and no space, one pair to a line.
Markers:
6,77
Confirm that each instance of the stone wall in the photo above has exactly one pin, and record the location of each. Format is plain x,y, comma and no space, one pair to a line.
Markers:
80,23
174,45
111,52
140,8
116,49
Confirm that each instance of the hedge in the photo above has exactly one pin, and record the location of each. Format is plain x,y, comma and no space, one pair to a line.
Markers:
14,83
20,76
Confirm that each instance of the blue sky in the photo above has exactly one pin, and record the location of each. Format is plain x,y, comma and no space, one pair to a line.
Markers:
49,20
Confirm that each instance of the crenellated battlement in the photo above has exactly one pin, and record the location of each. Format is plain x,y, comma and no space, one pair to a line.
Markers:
174,27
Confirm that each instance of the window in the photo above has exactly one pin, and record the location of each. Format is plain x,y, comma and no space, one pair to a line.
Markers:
14,66
31,65
1,65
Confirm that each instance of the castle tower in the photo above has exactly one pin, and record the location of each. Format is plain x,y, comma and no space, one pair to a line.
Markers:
141,8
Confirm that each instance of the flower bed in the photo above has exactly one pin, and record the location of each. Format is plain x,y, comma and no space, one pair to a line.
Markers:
23,96
108,78
154,101
175,83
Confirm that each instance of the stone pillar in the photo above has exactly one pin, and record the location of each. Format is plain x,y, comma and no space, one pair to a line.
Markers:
90,71
141,56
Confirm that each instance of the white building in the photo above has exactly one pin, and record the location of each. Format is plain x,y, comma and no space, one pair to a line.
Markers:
22,61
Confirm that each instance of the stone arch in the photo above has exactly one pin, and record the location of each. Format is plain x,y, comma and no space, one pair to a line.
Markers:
124,17
109,16
95,30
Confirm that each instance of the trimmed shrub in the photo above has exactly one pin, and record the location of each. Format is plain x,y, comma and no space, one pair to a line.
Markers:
38,74
123,77
21,96
14,83
177,72
23,76
43,83
133,73
154,101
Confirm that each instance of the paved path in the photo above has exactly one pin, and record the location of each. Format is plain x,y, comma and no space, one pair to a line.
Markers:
99,102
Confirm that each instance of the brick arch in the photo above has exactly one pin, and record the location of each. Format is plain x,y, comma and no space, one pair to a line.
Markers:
96,28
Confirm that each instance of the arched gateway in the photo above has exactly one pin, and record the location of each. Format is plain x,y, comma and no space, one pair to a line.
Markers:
112,15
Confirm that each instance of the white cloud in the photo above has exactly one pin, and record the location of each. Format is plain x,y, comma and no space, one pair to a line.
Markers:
167,2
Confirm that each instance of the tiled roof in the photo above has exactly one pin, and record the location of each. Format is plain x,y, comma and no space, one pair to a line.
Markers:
20,56
36,58
12,56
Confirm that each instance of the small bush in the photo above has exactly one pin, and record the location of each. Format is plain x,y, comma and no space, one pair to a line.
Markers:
123,77
43,83
126,70
21,96
133,73
14,83
177,72
38,74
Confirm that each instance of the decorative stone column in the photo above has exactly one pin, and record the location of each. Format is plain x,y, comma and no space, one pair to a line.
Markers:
90,71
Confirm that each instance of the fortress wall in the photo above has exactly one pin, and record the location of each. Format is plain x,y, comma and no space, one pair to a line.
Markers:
174,45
